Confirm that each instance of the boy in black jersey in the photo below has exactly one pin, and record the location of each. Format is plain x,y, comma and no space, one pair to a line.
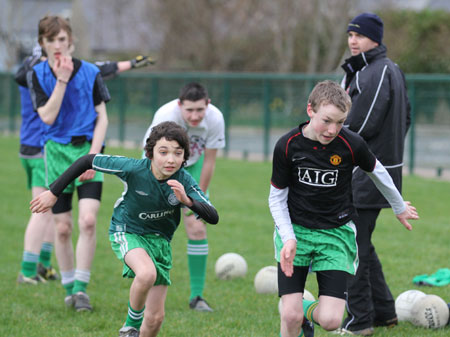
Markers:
311,203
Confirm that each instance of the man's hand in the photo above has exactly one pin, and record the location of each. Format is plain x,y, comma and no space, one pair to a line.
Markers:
287,255
141,61
410,213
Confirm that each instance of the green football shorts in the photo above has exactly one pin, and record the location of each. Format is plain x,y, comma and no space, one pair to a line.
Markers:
35,170
324,249
196,169
58,158
156,247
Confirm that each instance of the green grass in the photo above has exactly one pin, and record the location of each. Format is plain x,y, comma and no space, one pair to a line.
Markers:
239,192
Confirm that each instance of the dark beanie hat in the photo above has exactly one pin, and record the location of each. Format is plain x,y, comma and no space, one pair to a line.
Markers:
369,25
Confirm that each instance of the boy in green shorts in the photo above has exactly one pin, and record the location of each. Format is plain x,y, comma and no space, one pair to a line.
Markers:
39,234
145,217
205,126
311,204
69,96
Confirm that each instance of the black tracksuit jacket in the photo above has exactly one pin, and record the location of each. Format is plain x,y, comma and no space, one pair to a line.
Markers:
380,113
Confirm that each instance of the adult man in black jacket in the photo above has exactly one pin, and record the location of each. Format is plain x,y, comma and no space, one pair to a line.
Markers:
381,115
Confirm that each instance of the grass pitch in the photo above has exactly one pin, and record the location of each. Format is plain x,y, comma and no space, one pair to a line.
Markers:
239,191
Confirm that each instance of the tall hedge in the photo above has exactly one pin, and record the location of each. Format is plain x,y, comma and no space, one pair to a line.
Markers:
418,41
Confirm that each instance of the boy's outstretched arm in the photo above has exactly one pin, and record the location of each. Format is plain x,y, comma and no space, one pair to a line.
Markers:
402,209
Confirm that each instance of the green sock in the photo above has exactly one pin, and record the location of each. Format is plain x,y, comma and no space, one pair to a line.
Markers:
308,309
29,264
46,254
134,318
82,278
79,286
69,288
197,256
67,280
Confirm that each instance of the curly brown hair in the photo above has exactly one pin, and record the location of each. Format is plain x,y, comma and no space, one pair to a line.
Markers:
170,131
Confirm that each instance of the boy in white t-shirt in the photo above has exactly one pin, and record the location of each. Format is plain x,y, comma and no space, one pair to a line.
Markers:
205,126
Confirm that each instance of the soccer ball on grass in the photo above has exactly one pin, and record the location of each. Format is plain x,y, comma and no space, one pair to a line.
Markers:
230,266
430,311
266,280
404,303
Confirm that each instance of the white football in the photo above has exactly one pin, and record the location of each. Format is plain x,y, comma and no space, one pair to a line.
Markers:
430,311
404,303
306,295
266,280
230,266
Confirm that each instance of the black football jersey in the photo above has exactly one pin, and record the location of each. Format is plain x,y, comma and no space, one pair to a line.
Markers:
319,177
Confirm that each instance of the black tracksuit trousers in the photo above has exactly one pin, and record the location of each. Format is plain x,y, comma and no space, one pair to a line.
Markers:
369,298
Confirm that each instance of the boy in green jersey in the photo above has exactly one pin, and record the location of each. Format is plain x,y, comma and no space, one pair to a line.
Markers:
145,217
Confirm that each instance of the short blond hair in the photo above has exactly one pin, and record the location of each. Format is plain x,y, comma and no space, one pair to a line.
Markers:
329,92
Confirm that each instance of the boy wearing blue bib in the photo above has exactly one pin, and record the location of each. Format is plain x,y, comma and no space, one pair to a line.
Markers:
69,96
39,234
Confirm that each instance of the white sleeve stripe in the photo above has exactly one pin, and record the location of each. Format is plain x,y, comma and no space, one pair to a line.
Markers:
374,100
98,168
393,166
200,195
385,185
357,82
364,58
385,166
101,169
